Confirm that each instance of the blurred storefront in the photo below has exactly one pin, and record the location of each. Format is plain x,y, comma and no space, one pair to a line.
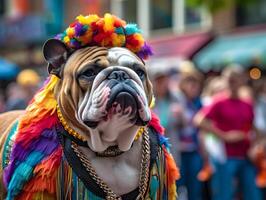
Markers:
184,46
162,17
175,30
170,51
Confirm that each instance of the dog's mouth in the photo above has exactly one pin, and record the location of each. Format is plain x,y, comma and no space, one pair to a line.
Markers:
124,99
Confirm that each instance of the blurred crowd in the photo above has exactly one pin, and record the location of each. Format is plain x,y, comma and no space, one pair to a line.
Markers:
215,124
17,94
217,129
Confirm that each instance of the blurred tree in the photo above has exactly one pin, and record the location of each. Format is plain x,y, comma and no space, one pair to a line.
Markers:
216,5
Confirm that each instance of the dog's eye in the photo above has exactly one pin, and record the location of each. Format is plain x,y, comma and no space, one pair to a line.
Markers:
89,73
140,73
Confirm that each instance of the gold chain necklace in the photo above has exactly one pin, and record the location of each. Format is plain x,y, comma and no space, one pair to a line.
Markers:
144,170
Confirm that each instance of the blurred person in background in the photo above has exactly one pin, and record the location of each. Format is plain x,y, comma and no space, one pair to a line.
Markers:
16,97
212,147
189,147
214,87
230,118
21,92
166,107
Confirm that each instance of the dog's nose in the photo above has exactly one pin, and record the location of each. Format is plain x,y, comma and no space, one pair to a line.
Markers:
118,75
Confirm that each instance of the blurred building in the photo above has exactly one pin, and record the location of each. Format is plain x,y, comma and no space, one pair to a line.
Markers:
26,24
174,28
240,38
235,33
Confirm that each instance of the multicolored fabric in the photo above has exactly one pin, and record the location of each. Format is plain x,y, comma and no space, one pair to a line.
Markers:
32,172
76,190
8,144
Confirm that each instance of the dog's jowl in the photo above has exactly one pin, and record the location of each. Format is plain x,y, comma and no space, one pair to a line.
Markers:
89,133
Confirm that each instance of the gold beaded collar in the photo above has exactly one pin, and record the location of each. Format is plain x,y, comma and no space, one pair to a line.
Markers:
67,127
75,134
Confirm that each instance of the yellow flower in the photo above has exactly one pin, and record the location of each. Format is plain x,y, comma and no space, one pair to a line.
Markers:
87,20
66,39
70,32
118,40
108,22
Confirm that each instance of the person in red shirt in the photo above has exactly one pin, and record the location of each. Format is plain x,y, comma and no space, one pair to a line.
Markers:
230,118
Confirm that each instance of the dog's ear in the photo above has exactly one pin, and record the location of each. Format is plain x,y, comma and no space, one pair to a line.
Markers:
55,53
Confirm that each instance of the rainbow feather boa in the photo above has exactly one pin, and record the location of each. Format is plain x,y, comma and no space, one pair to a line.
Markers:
36,156
33,156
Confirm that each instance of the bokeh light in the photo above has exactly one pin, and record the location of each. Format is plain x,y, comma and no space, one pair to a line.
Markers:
255,73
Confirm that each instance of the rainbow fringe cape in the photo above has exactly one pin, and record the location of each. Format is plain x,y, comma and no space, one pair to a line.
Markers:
32,170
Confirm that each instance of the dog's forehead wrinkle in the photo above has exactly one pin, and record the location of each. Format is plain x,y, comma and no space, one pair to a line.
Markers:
122,56
86,55
96,62
126,61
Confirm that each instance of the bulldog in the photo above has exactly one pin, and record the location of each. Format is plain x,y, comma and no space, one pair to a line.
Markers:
88,133
104,94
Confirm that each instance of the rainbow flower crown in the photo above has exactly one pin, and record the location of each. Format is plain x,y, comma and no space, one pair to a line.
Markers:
109,31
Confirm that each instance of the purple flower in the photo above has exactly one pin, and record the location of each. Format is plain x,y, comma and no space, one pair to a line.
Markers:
59,36
145,51
75,44
79,30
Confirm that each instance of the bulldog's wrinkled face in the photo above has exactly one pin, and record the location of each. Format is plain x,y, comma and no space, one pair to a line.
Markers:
104,94
117,91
